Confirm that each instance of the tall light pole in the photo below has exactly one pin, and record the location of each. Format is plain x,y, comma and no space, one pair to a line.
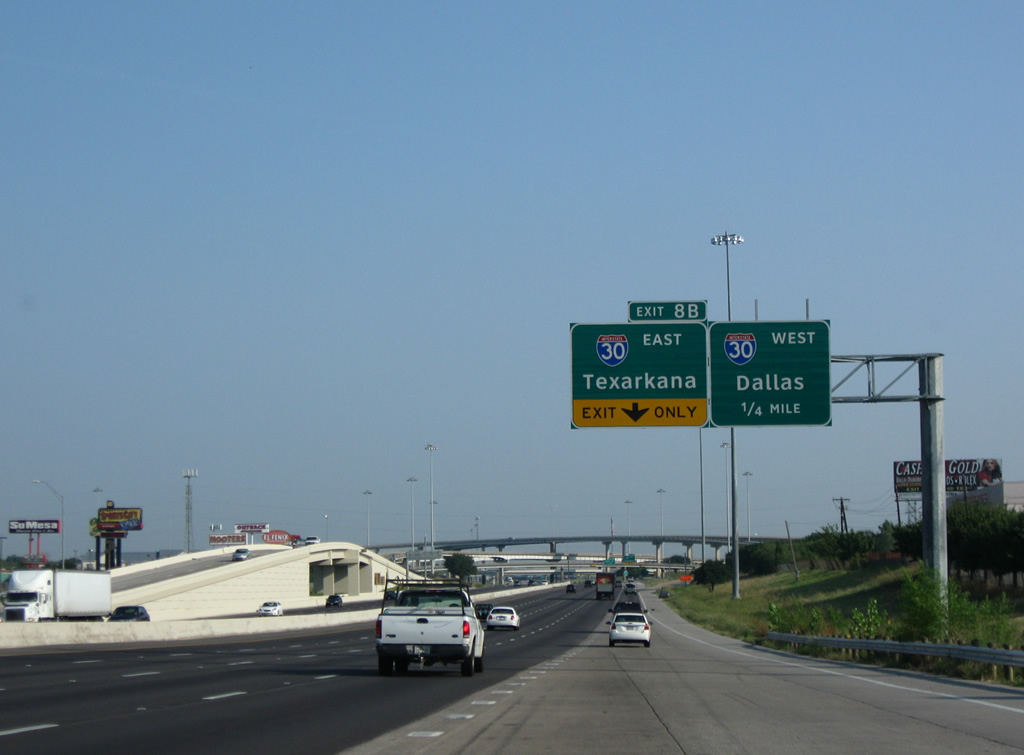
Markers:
188,474
327,528
727,446
2,538
61,499
476,523
703,537
430,448
367,493
748,475
629,528
412,523
661,505
725,240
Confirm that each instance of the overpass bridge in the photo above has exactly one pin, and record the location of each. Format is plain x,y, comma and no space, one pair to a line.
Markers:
720,543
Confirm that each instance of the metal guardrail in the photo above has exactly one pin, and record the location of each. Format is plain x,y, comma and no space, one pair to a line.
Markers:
992,656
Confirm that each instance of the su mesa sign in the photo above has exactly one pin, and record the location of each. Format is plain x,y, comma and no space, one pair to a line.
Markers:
723,374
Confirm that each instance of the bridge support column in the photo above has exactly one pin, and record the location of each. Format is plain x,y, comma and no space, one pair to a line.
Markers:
553,548
607,549
659,549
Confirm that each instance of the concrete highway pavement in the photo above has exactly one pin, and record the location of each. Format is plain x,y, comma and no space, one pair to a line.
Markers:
554,687
696,692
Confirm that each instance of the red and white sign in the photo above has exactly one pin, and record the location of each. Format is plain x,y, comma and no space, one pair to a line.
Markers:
277,537
263,527
228,539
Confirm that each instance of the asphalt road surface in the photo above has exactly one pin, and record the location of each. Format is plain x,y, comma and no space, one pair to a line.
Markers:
553,687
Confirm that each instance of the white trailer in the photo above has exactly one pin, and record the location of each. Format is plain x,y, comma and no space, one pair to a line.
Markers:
48,595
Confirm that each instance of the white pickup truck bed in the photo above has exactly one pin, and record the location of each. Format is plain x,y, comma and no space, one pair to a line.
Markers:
430,625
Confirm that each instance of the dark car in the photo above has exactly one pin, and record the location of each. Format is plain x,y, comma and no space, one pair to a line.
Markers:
664,593
589,583
130,613
631,606
570,587
482,609
334,601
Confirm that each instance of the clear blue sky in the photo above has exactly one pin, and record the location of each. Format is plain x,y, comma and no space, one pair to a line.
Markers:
289,245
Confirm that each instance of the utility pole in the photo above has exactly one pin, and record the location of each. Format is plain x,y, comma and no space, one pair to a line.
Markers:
842,514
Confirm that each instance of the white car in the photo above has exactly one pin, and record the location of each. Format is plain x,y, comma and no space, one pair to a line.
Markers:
270,608
629,627
503,617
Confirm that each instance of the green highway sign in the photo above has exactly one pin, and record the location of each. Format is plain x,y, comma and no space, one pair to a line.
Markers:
639,375
668,311
770,373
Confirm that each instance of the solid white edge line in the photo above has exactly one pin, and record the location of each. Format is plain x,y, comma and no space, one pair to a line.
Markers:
854,677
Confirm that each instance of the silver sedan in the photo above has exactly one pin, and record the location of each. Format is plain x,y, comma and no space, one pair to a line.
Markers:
503,617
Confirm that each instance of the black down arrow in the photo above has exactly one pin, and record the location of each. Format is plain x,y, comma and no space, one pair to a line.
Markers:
636,412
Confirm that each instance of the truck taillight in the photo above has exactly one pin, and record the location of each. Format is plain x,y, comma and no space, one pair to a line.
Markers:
377,630
465,628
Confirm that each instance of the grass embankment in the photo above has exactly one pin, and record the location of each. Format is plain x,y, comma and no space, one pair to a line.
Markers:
822,602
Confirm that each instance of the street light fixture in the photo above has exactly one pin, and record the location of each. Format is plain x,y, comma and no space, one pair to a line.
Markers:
327,528
725,240
661,505
61,499
748,475
367,493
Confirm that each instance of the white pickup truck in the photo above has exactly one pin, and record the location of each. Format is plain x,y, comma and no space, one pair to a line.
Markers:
429,622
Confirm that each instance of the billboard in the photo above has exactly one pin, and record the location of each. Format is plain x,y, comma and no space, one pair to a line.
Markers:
962,475
257,527
119,520
277,537
227,539
33,526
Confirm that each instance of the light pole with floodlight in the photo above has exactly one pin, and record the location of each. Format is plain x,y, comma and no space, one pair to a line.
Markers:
629,528
725,240
661,505
412,522
748,475
367,493
61,499
727,446
430,448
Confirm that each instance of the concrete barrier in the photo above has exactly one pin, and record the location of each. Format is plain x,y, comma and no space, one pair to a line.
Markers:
54,634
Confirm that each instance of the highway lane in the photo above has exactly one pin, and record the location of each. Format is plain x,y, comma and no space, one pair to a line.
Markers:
696,692
318,693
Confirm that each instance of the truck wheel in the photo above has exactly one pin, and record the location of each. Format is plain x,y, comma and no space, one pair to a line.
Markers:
611,643
401,667
478,664
467,666
385,666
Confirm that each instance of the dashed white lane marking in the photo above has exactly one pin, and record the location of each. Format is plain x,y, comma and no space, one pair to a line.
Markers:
223,695
23,729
